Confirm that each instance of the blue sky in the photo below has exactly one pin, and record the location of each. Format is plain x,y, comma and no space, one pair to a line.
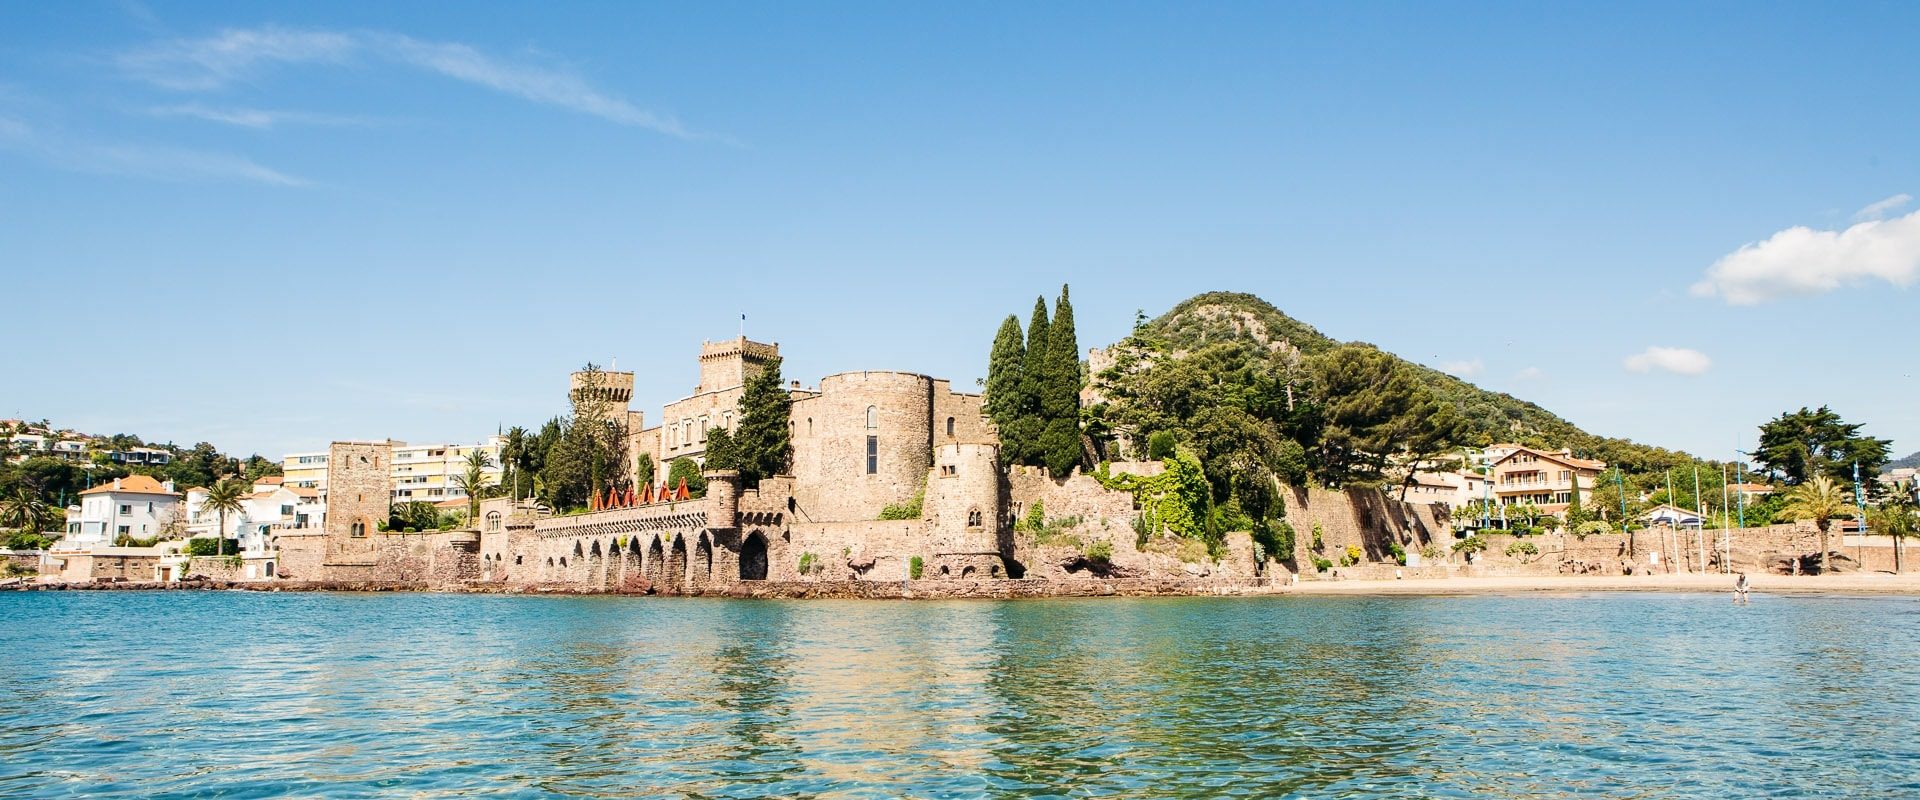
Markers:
269,227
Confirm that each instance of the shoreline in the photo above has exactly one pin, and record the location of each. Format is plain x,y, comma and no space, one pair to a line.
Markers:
1871,584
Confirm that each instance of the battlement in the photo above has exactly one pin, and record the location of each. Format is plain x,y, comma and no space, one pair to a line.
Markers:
727,364
614,389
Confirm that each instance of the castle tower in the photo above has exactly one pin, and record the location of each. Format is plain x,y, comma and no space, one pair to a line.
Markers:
727,364
610,392
723,499
964,499
359,493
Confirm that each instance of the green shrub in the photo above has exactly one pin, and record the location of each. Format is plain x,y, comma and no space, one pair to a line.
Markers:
212,547
1321,564
1430,552
915,566
1036,519
1590,528
807,562
1471,544
1519,549
1100,552
907,510
1160,446
1352,556
1319,545
1399,553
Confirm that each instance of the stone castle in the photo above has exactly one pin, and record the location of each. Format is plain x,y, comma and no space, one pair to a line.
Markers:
861,441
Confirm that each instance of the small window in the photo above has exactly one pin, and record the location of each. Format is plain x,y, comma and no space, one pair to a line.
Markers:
358,530
703,429
949,427
126,510
973,518
873,455
873,418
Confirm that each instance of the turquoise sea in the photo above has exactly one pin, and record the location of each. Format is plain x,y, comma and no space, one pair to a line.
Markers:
242,694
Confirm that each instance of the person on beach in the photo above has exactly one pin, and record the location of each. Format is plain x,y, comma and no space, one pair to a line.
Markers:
1740,588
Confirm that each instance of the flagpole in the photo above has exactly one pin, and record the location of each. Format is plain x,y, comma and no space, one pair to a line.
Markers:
1699,510
1726,540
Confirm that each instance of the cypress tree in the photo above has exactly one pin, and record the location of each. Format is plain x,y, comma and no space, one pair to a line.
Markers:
1003,373
1021,439
1060,398
762,446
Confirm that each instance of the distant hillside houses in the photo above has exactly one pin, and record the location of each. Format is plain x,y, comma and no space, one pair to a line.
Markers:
26,440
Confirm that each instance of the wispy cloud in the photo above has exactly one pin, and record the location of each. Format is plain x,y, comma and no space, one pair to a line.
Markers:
1677,360
1530,374
1804,261
1464,369
238,55
257,118
1880,210
146,161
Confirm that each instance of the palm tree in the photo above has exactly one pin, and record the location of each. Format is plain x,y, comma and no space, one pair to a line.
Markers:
473,481
1897,518
24,510
515,456
223,498
1821,500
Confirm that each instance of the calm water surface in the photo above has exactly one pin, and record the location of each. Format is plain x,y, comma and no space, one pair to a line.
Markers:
313,695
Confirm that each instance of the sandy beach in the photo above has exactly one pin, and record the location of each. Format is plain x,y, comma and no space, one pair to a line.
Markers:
1858,583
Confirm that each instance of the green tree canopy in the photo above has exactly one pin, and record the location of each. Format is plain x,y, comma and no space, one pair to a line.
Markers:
1799,445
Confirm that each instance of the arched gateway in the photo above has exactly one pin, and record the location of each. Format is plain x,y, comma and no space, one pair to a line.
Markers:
753,558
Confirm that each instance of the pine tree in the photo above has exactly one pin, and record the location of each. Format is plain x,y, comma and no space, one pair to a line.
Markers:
1060,397
762,446
1003,373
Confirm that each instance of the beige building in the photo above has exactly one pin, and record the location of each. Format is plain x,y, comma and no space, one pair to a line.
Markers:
1545,478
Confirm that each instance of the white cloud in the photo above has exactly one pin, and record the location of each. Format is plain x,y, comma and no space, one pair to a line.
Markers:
1464,369
1530,374
1677,360
214,62
257,118
1803,261
1880,209
160,163
235,55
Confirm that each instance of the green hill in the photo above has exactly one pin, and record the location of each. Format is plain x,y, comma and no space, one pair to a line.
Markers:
1235,318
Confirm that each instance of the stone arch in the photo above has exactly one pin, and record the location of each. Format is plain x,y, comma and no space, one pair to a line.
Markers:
966,572
576,549
656,561
703,560
595,552
630,563
753,557
677,562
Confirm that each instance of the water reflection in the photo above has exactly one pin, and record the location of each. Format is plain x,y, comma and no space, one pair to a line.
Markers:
1652,696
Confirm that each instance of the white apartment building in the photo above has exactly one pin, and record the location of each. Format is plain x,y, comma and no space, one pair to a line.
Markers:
421,472
136,506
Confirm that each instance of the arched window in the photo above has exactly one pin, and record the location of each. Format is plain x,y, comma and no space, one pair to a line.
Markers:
949,427
973,518
873,418
358,530
493,520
